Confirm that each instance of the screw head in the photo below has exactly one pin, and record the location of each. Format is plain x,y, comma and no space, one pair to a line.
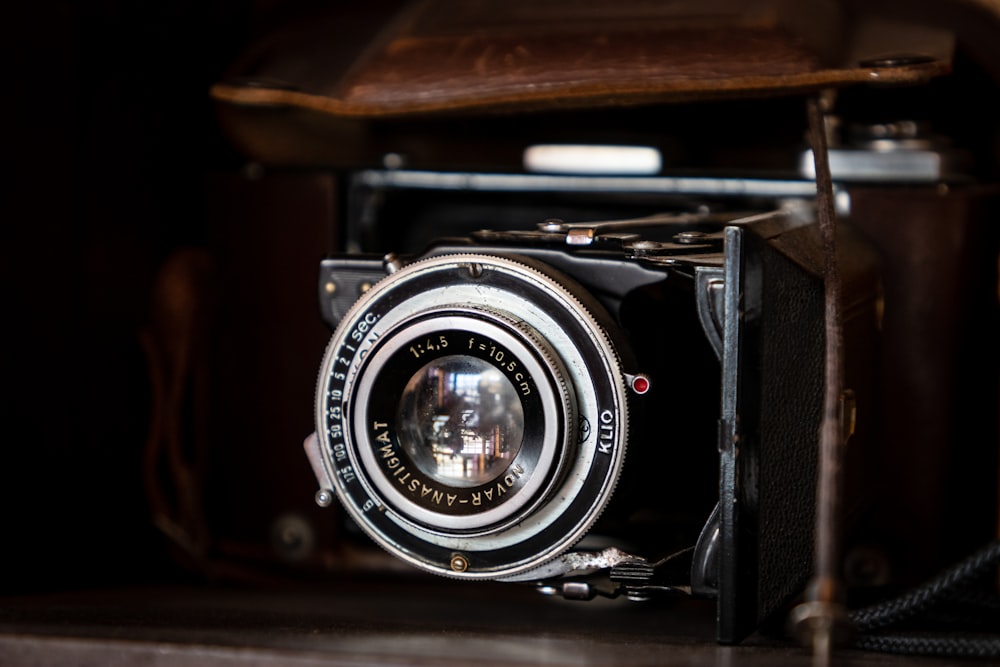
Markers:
292,537
459,563
324,497
899,60
689,237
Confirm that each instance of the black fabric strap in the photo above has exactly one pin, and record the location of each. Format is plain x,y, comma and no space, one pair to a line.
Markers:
945,608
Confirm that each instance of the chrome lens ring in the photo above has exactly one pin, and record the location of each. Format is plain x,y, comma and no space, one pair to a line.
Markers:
547,314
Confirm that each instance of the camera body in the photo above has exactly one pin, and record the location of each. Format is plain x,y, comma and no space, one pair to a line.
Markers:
624,407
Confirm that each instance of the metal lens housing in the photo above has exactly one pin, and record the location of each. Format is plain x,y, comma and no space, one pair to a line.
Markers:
472,410
468,477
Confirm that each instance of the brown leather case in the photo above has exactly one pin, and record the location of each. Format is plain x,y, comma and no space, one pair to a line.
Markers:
449,55
303,95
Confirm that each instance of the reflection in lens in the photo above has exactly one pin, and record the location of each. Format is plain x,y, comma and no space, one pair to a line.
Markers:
460,420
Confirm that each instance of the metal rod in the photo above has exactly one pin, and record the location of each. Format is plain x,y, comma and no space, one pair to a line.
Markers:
824,593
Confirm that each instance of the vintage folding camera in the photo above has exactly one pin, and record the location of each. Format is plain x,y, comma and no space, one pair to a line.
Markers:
609,382
625,407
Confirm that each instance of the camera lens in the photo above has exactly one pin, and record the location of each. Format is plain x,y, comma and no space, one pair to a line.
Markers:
460,420
475,405
461,442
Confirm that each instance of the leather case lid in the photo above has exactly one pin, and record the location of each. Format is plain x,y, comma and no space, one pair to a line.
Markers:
517,55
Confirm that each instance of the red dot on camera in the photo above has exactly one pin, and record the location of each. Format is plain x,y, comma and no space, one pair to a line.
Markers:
640,385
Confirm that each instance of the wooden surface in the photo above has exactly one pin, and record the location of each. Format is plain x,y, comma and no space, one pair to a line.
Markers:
376,622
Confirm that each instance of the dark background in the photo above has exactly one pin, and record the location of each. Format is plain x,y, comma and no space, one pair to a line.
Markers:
116,167
111,149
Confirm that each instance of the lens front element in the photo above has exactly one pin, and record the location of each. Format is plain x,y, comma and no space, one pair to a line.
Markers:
464,442
460,420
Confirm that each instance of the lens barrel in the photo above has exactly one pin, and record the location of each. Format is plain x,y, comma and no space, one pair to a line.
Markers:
472,411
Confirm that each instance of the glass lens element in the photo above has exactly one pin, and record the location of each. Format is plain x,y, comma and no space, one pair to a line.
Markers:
460,420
